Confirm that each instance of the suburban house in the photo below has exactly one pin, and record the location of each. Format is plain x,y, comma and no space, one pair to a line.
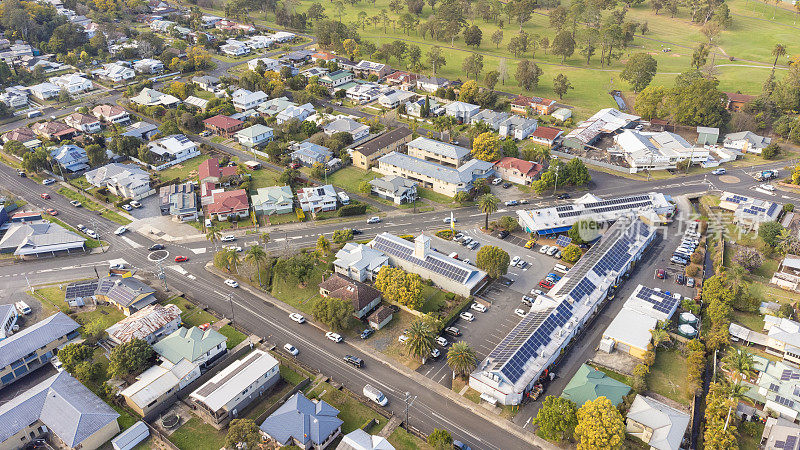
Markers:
546,136
589,384
365,92
244,381
296,58
83,122
438,152
395,188
777,389
347,125
244,99
364,297
149,324
304,423
781,337
141,130
266,64
70,157
254,136
197,102
517,127
209,171
151,97
111,113
561,114
366,68
657,151
235,48
490,118
61,408
335,79
148,65
517,171
223,125
418,257
779,431
441,179
380,317
273,200
172,150
308,154
159,384
293,111
749,213
359,439
414,108
274,106
193,345
394,98
39,238
15,97
359,262
54,131
115,72
34,346
179,201
206,82
660,426
746,142
542,106
24,135
365,155
407,80
431,84
317,199
44,91
128,294
73,83
461,111
788,274
228,204
737,101
8,320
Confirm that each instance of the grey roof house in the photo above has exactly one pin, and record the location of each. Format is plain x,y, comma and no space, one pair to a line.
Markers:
303,422
34,239
71,157
746,141
179,200
128,294
395,188
442,179
658,425
308,154
359,262
62,406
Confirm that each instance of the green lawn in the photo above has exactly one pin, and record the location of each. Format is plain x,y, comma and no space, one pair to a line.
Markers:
184,169
668,376
434,196
434,299
234,336
52,299
291,376
753,321
263,177
198,435
351,411
611,374
349,178
191,315
402,440
91,205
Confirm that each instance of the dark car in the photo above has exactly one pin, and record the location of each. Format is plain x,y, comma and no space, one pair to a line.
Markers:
22,174
563,196
367,333
356,231
506,185
155,247
680,279
458,445
355,361
452,331
503,234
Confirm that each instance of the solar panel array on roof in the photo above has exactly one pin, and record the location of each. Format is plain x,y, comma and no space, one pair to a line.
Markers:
774,387
791,442
660,300
80,289
617,201
618,206
750,211
436,265
772,209
563,241
563,208
736,199
784,401
789,374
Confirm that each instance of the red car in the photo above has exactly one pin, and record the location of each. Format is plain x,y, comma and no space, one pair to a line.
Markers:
181,258
546,284
45,196
294,165
661,274
51,211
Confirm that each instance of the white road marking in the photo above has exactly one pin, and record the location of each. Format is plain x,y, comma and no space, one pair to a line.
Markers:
191,277
131,242
198,251
178,269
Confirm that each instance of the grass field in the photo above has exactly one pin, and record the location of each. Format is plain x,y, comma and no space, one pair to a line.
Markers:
196,434
184,169
191,315
668,376
349,178
94,206
351,411
234,337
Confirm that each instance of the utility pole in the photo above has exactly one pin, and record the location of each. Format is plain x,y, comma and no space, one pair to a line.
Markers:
230,302
409,401
555,186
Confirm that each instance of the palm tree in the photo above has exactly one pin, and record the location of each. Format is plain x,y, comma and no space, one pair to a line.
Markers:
778,51
785,240
323,245
487,203
739,363
421,337
265,238
234,261
213,234
461,358
256,255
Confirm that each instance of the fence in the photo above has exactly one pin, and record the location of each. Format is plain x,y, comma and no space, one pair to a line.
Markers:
300,386
591,162
159,436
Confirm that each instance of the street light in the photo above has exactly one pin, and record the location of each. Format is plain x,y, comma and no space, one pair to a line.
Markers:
230,302
555,186
409,401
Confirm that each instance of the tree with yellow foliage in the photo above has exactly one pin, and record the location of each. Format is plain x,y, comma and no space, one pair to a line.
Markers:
600,426
351,47
487,147
399,286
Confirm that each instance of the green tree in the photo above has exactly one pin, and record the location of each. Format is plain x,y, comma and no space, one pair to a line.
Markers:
88,372
491,78
473,65
462,197
696,101
323,245
497,38
256,256
739,363
342,236
584,231
73,354
401,287
364,187
487,204
771,151
317,171
561,85
440,439
577,173
492,260
528,74
556,419
508,223
473,36
639,71
650,102
130,358
244,431
334,312
571,254
600,425
769,232
486,147
563,45
97,155
421,337
461,358
214,234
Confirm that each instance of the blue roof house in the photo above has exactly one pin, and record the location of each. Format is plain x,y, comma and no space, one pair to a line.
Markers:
304,423
71,157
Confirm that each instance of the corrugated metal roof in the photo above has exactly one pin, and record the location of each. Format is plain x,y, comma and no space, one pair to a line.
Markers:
35,336
143,323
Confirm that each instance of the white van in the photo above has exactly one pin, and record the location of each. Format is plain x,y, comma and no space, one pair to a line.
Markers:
453,255
375,395
208,223
560,268
343,197
22,308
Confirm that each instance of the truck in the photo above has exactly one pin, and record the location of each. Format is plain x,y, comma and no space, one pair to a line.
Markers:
765,175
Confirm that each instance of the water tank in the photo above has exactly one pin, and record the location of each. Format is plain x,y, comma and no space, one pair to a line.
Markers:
687,331
688,318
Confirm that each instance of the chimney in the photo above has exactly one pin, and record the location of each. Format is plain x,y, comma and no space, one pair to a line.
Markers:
422,246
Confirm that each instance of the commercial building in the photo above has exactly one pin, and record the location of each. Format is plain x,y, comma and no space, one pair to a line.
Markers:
224,396
317,199
273,200
179,201
517,170
749,213
359,262
365,155
607,121
149,324
395,188
444,180
304,423
34,346
529,350
418,257
123,180
159,384
192,344
589,383
59,406
558,219
660,426
40,238
363,297
172,150
439,152
656,151
254,136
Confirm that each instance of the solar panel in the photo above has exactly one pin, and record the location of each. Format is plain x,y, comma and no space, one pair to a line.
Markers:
661,301
436,265
772,209
791,442
563,208
80,289
789,374
774,387
784,401
563,241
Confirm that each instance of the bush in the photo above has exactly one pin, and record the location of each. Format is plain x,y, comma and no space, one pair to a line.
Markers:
692,270
445,234
355,209
571,254
751,429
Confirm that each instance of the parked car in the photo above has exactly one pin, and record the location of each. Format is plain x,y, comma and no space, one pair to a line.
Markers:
546,284
527,301
354,361
536,292
473,245
478,307
48,181
375,395
127,207
135,204
719,171
679,260
291,349
116,266
690,282
544,249
497,181
374,219
552,251
22,174
515,260
680,279
356,231
442,341
435,353
506,185
468,316
205,133
661,274
91,233
452,331
502,234
181,258
75,203
520,312
467,240
530,243
458,445
335,337
80,227
512,203
232,283
522,264
563,196
366,333
155,247
297,317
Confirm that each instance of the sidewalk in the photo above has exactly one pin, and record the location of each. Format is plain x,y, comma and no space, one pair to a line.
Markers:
419,378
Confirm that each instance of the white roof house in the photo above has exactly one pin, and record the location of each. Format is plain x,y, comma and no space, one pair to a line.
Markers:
461,110
269,64
126,180
156,381
317,198
395,98
657,151
151,97
15,97
295,112
658,425
73,83
347,125
605,121
749,213
254,136
148,65
244,99
746,141
359,262
173,150
273,200
274,106
196,101
44,91
780,434
30,239
630,331
517,127
116,72
359,439
235,48
491,118
283,36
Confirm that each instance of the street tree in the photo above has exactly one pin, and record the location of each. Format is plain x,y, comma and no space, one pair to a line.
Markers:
342,236
493,260
461,358
561,85
257,256
333,312
600,425
213,234
440,439
421,338
556,419
639,71
323,245
491,78
487,204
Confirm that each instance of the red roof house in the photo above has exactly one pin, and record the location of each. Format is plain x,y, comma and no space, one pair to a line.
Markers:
228,204
208,171
546,135
54,131
540,105
517,170
223,125
736,101
400,78
325,56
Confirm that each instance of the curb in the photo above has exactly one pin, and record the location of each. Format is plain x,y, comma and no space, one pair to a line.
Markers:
426,382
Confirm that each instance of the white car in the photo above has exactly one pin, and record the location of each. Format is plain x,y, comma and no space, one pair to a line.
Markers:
447,220
552,250
120,230
235,248
402,338
374,219
48,181
333,336
89,232
543,249
57,364
536,292
116,266
468,316
442,341
515,260
478,307
767,187
676,296
435,353
297,317
135,204
291,349
75,203
520,312
232,283
228,238
127,207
